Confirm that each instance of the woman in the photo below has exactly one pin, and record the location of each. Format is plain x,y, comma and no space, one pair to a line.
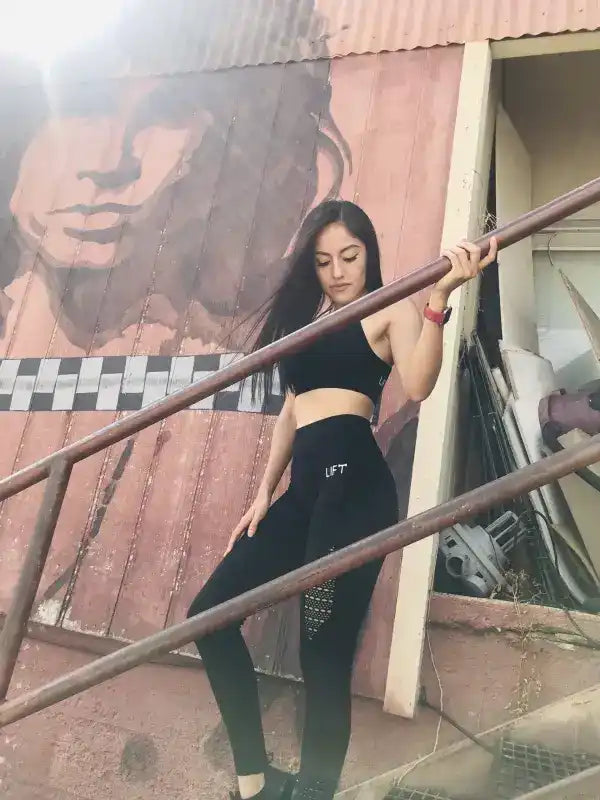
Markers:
340,491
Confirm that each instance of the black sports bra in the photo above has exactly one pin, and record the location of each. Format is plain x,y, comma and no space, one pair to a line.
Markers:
343,359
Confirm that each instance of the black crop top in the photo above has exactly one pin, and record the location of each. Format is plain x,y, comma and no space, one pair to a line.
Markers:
343,359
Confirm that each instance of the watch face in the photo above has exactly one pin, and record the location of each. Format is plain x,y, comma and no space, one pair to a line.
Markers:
447,314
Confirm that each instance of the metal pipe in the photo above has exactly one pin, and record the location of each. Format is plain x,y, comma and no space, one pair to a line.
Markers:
380,544
455,724
31,572
523,226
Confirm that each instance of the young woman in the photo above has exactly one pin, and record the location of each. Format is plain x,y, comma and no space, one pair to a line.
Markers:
340,491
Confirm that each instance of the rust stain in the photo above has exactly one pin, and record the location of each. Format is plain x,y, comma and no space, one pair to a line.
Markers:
99,515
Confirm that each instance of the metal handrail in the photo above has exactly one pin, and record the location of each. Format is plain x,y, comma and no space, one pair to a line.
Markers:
331,566
399,289
58,467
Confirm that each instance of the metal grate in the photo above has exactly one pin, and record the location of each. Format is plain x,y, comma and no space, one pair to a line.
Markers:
525,767
405,793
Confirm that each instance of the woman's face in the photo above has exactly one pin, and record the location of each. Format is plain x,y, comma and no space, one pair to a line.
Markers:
88,177
341,264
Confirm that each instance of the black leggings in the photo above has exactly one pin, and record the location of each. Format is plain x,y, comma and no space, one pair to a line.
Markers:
340,491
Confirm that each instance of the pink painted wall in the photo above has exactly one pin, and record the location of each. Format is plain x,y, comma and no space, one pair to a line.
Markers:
148,217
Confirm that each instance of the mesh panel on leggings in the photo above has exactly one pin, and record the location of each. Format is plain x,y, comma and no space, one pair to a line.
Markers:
318,605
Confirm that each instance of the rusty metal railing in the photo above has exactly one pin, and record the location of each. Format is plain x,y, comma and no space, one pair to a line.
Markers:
57,469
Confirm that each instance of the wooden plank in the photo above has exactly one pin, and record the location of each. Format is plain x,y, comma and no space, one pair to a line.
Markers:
274,634
39,313
49,324
583,501
251,139
183,274
28,332
95,645
161,540
288,188
22,270
349,78
424,220
73,521
386,162
112,527
546,45
587,315
387,158
435,439
13,425
43,435
515,277
224,484
115,331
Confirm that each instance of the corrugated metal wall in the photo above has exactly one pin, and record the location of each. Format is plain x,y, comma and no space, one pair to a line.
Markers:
142,219
152,37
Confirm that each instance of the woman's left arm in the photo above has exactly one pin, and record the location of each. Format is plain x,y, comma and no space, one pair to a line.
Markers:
416,343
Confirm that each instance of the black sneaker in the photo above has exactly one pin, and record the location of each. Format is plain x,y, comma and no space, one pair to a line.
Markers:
278,786
312,789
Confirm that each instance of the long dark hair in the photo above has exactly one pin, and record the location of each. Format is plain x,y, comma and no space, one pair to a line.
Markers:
299,297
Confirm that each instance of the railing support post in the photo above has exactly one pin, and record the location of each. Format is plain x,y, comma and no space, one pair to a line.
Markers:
17,618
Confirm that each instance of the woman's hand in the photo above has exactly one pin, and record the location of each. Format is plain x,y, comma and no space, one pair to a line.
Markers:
249,522
466,262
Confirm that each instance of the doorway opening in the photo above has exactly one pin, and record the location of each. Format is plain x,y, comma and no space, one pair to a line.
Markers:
537,334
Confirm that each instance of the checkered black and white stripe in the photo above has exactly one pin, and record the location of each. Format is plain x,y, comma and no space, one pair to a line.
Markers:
118,383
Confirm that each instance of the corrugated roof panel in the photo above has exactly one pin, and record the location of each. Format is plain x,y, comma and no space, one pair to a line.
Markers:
359,26
156,37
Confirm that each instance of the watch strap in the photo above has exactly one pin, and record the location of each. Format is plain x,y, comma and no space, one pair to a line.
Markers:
438,317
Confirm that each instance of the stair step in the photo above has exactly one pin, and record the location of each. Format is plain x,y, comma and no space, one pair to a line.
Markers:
583,786
520,768
555,744
405,793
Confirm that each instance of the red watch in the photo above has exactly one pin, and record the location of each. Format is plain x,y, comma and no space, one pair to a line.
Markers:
439,317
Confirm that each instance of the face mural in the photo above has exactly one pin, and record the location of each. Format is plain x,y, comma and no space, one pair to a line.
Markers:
144,218
150,209
170,200
163,204
87,181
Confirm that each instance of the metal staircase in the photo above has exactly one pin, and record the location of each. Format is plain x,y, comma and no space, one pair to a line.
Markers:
551,753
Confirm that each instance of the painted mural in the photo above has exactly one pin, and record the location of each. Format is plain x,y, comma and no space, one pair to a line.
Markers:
143,222
159,202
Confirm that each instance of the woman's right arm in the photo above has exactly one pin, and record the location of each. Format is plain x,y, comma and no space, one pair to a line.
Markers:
279,457
281,447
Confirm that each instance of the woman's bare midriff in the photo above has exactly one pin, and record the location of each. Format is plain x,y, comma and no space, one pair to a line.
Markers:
323,403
